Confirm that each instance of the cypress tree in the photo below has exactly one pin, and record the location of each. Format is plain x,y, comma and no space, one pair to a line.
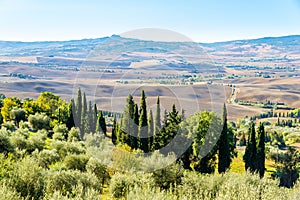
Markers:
102,123
78,109
169,129
135,127
261,150
250,152
143,122
223,146
83,125
121,135
88,126
71,121
157,124
150,129
95,118
84,106
114,131
127,122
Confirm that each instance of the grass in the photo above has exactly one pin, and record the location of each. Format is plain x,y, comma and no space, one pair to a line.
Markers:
238,165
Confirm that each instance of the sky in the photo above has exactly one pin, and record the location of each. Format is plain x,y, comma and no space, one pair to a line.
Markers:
199,20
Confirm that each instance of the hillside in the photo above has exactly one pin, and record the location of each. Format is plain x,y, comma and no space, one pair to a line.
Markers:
198,72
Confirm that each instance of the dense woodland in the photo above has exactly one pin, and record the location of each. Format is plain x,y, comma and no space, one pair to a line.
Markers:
54,149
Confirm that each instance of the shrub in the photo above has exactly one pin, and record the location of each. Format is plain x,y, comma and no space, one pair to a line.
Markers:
78,192
138,193
74,134
229,186
60,132
5,145
96,167
39,121
27,179
76,162
65,182
19,141
168,176
93,140
124,160
64,148
8,193
17,114
37,141
121,184
9,126
46,157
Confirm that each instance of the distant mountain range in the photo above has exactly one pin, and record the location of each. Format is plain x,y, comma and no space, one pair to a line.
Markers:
262,51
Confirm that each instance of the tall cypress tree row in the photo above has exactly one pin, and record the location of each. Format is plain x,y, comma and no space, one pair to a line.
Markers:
261,150
250,152
114,131
223,145
102,123
150,129
143,122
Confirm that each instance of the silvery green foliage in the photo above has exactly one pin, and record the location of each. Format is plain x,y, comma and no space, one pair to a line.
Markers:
121,184
37,141
64,148
27,179
78,193
230,186
65,181
46,157
138,193
8,193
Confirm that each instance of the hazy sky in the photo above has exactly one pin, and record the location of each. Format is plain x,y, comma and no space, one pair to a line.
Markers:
200,20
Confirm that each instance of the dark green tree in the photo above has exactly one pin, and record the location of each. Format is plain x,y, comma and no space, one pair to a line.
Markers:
84,117
169,130
136,117
150,129
204,129
78,111
143,122
127,122
95,119
243,141
250,152
114,131
287,171
89,122
71,110
157,121
261,150
102,123
223,145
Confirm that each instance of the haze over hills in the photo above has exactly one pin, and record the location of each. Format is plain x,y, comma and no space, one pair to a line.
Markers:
282,50
233,71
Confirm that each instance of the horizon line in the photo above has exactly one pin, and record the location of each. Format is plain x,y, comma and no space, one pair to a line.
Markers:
114,35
